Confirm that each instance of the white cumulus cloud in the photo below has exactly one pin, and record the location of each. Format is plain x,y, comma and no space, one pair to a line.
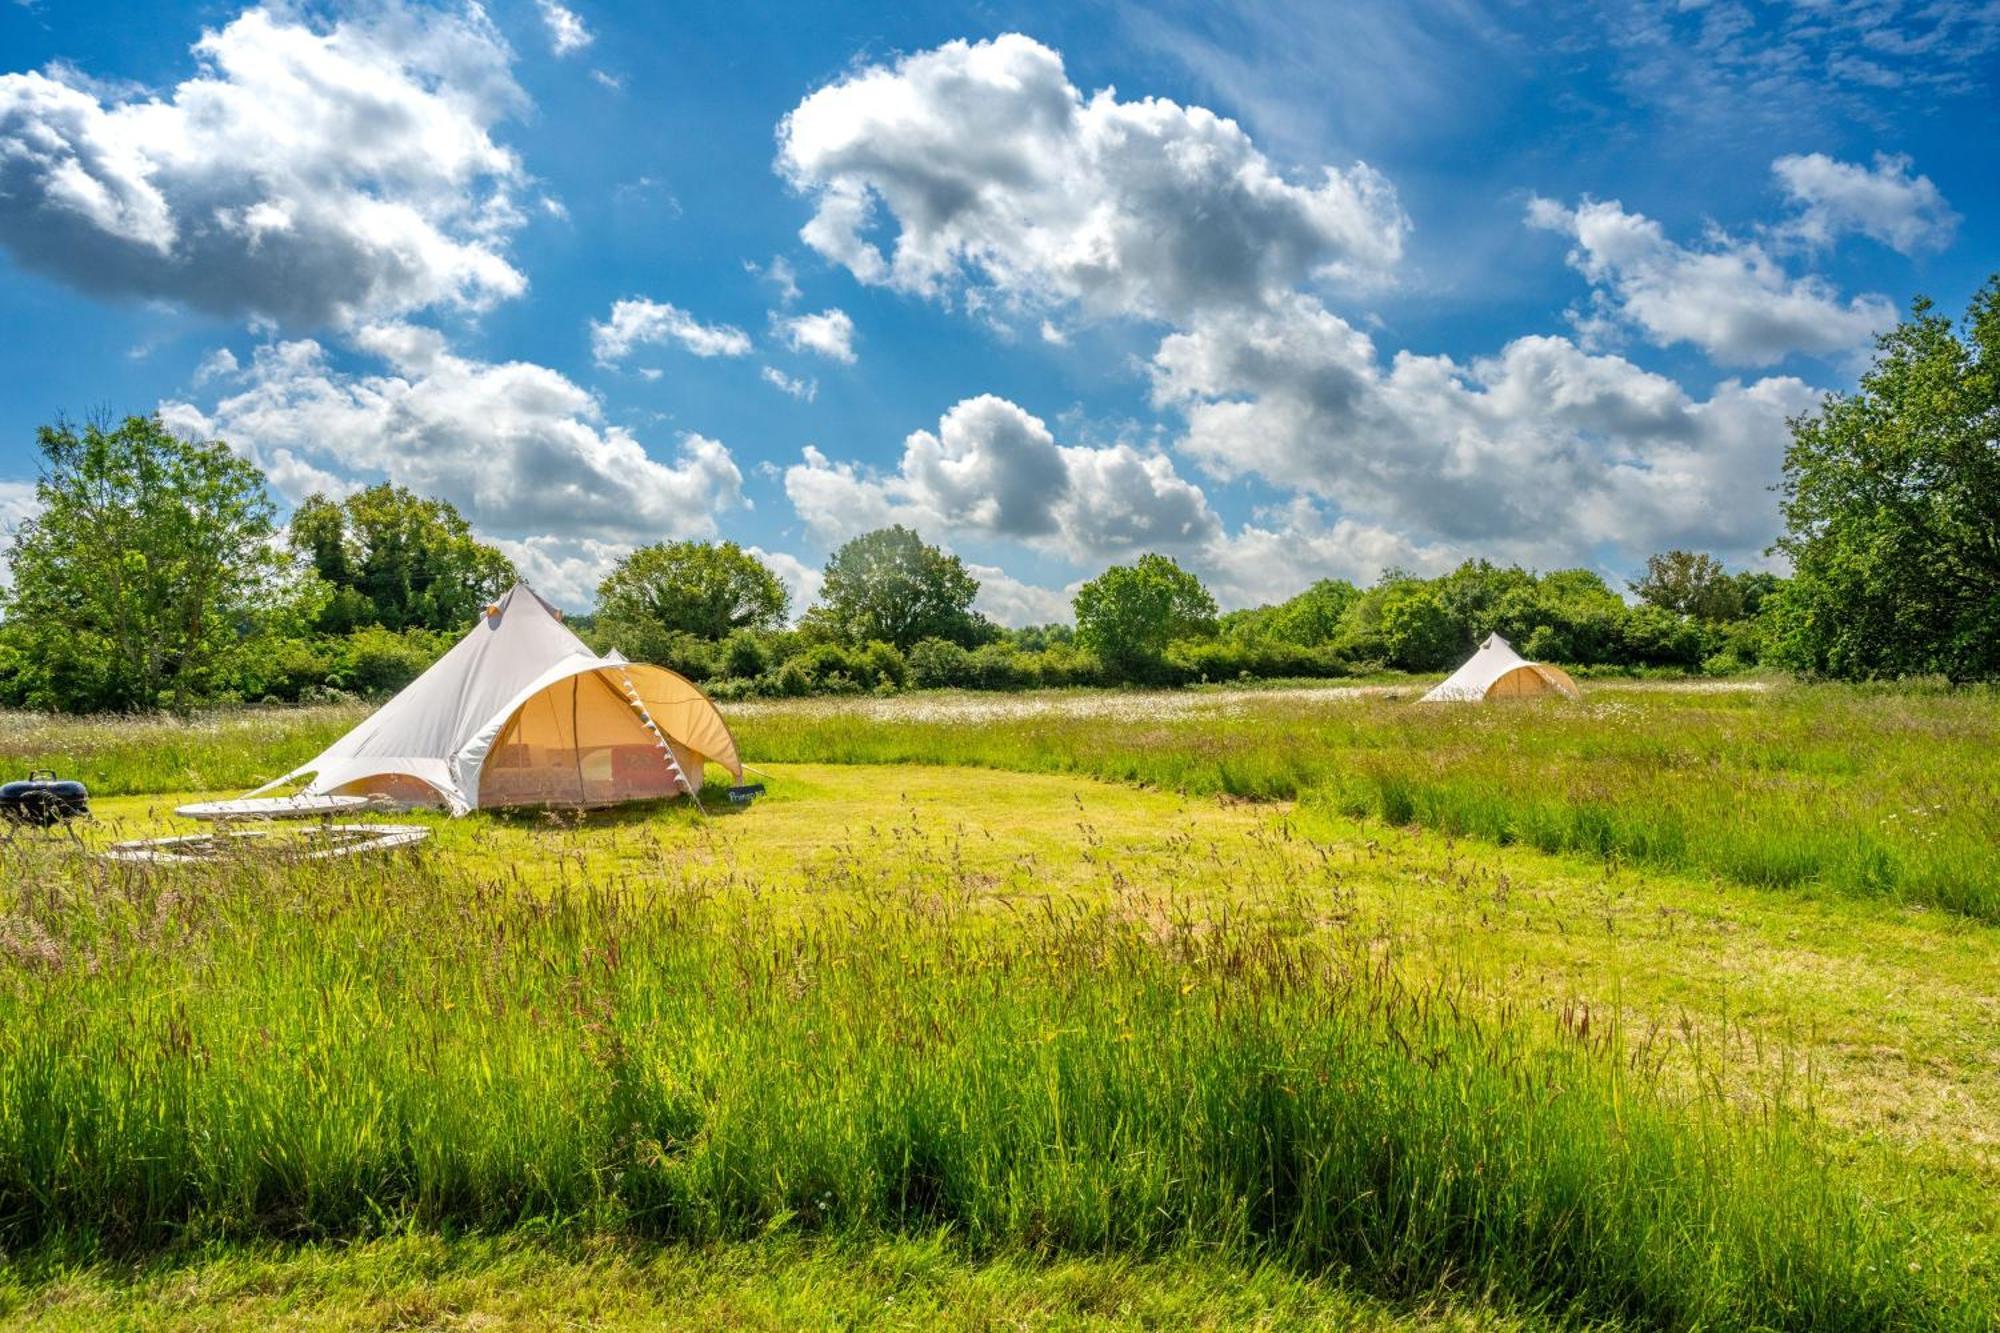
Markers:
637,321
829,333
1732,298
1887,202
1008,601
566,570
1541,452
998,172
305,174
992,469
17,505
567,32
805,390
519,448
802,581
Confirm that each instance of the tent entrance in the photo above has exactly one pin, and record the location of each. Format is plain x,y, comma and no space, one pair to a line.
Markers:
583,742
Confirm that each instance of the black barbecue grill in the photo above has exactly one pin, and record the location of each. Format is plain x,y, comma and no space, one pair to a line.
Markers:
43,799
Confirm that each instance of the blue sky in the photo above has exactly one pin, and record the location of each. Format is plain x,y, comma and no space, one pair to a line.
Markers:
1285,291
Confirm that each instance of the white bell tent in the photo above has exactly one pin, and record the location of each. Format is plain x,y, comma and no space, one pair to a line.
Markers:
522,712
1496,671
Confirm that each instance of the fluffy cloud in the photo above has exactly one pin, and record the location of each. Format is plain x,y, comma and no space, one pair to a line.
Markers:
638,321
1540,453
1885,203
829,333
519,448
998,171
1732,299
17,506
1271,558
1007,600
993,470
802,581
304,175
567,33
566,570
804,390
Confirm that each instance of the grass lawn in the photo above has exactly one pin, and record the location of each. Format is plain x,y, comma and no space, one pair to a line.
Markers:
912,1043
424,1282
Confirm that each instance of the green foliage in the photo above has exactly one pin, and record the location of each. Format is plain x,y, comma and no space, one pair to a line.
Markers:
1892,510
1130,613
889,585
937,664
709,590
1204,660
377,662
1312,619
1419,631
1690,583
146,573
397,560
744,655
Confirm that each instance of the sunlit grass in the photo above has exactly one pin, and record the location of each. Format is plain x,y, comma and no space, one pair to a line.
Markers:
1713,1063
337,1051
1864,791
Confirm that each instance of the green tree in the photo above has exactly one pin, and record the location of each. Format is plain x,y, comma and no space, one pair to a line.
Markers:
1419,631
149,565
889,585
1312,618
1690,583
1130,613
707,589
398,560
1892,509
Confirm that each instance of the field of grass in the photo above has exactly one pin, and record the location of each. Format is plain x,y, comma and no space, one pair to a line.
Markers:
933,1044
1864,791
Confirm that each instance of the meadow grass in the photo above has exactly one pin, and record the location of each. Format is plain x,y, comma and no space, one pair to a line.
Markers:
1866,791
420,1280
1890,1004
232,749
350,1050
1164,1044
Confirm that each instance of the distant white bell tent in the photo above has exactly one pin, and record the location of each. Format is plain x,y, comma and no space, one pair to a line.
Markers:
522,712
1496,671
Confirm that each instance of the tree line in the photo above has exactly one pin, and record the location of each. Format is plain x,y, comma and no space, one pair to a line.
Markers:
155,574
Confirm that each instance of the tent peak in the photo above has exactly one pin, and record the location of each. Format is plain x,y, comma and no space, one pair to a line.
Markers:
499,606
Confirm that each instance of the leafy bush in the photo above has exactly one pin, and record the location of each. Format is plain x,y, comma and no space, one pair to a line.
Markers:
375,661
938,664
744,655
884,666
1229,659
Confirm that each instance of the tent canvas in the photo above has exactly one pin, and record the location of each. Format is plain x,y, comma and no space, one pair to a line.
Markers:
522,712
1496,671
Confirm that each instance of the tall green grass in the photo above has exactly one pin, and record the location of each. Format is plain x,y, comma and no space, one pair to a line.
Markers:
1873,791
228,750
338,1050
1864,791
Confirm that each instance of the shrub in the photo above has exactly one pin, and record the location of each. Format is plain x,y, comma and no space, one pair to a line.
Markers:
375,661
791,681
996,667
1233,659
1653,637
938,664
744,655
884,666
